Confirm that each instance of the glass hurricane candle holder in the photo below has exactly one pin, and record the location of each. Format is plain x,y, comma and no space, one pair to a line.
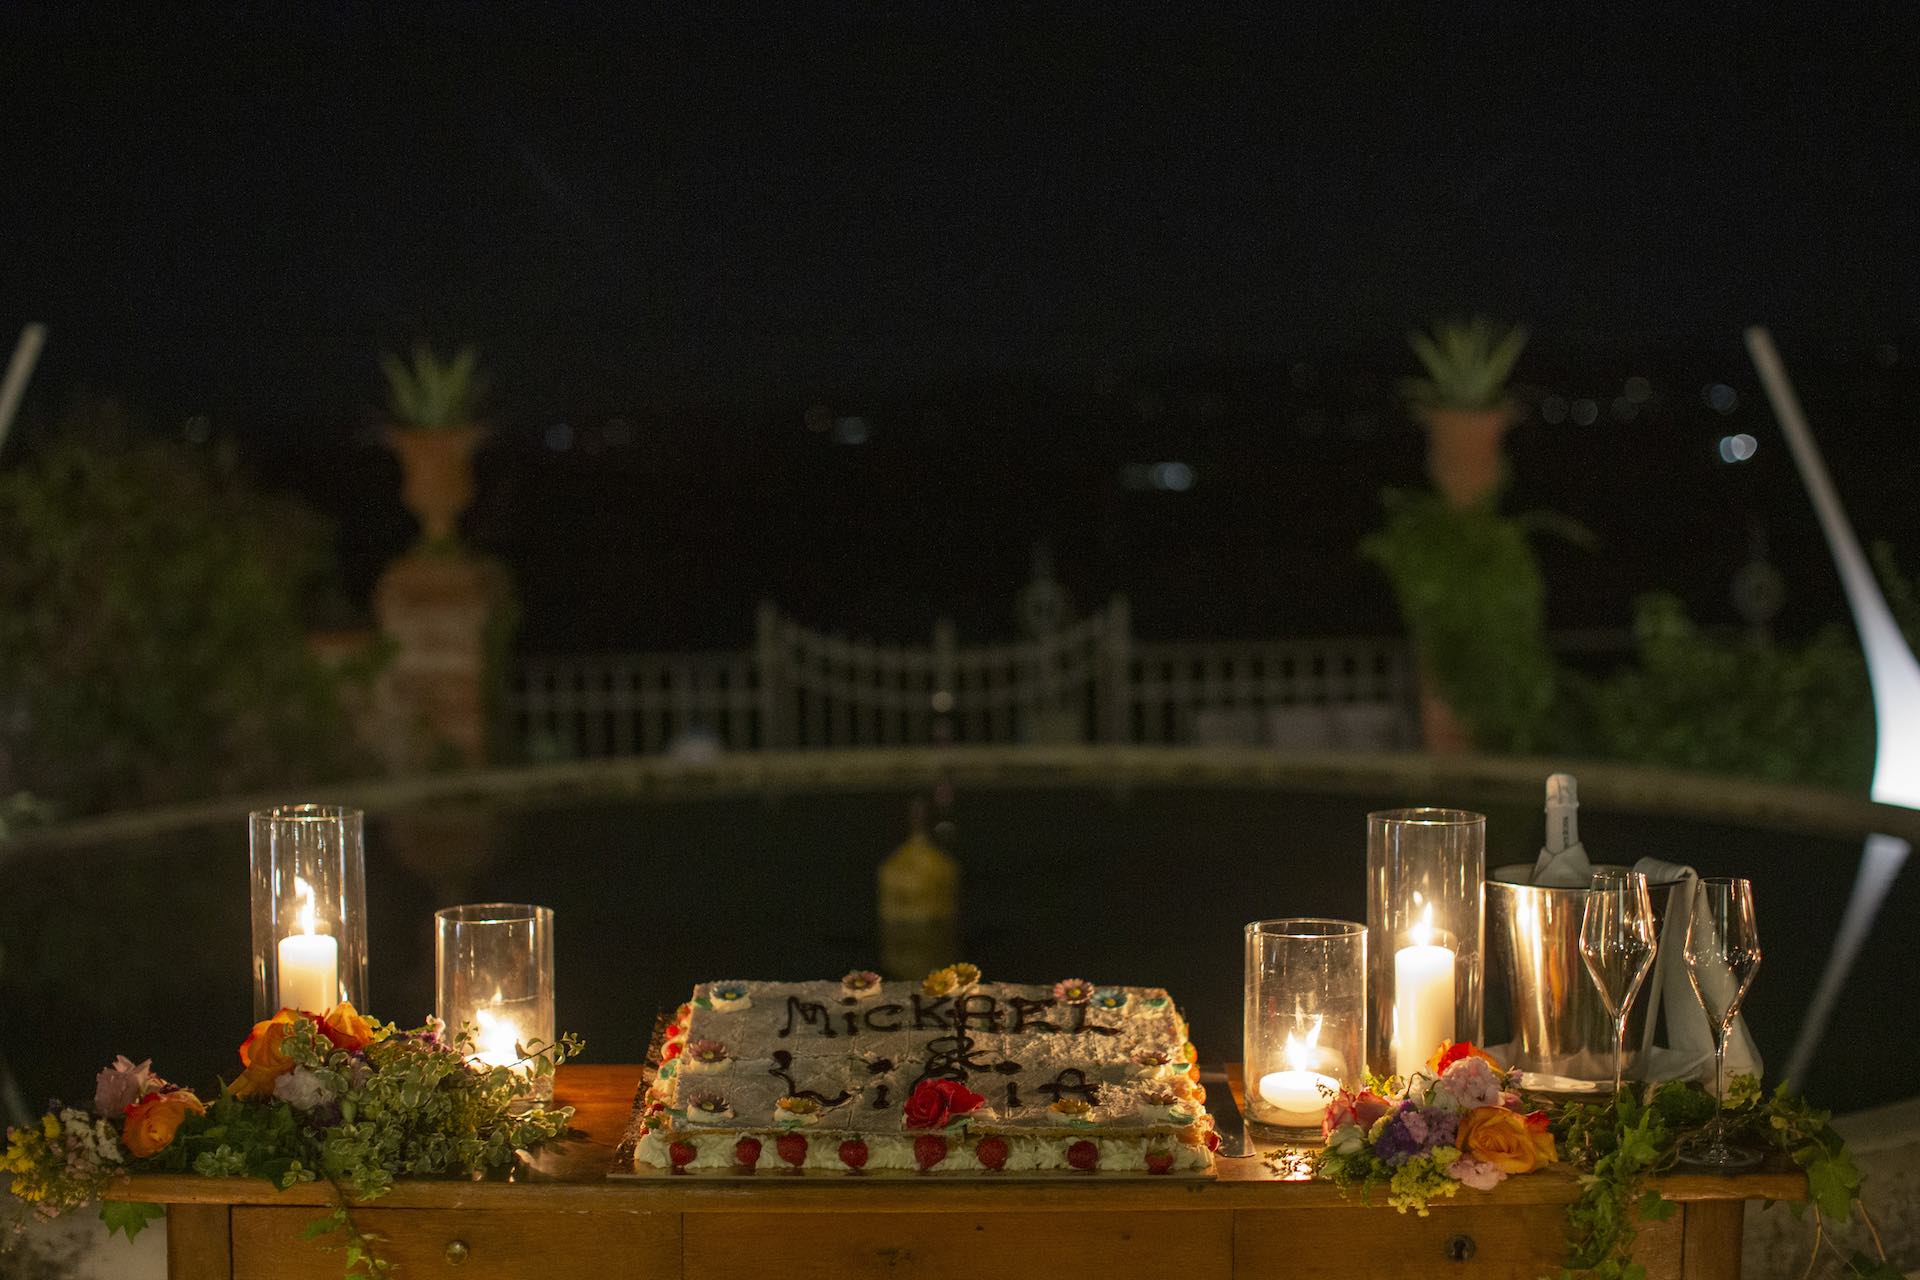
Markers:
307,866
1305,1027
1426,871
494,967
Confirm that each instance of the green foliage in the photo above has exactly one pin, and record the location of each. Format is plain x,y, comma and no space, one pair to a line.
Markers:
1467,363
152,643
1740,705
129,1217
1470,589
1617,1145
405,1104
431,394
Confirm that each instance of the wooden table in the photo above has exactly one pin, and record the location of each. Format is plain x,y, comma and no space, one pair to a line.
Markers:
563,1216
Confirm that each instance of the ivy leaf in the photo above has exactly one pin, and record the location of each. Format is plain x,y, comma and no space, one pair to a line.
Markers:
1831,1185
1655,1207
1866,1267
129,1216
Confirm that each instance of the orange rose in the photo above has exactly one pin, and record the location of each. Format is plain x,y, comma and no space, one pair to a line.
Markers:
152,1121
263,1054
1449,1053
1501,1138
1542,1136
347,1027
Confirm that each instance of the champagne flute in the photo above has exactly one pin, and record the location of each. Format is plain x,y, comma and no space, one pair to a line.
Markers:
1617,942
1722,954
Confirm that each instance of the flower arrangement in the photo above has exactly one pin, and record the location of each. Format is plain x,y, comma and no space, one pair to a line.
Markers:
333,1096
1461,1123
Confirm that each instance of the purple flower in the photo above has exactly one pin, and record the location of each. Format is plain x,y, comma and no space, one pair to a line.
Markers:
1414,1130
119,1086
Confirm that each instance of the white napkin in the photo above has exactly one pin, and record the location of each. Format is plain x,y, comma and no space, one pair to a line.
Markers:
1689,1051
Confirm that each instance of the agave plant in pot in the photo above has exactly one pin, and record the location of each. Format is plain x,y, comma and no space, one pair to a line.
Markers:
1464,404
434,434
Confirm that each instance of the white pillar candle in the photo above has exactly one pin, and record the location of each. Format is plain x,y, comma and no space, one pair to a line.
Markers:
309,962
1422,999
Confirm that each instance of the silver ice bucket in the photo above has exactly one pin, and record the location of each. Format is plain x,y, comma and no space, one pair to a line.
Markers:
1556,1023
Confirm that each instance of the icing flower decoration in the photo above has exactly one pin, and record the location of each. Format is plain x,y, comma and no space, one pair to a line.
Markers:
152,1121
1450,1052
709,1106
1073,991
727,997
1159,1095
859,984
1110,998
1071,1109
1155,1003
951,980
792,1110
706,1055
1161,1103
934,1104
1152,1061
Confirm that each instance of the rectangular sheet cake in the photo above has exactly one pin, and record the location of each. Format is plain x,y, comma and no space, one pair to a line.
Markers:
948,1075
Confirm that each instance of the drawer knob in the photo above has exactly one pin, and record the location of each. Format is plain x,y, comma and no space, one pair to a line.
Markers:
457,1252
1460,1248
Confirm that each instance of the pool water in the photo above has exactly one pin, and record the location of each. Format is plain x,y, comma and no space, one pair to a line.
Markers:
143,949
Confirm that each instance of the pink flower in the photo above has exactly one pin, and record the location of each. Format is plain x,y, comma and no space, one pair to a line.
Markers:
121,1085
1360,1109
1073,991
1477,1174
1468,1085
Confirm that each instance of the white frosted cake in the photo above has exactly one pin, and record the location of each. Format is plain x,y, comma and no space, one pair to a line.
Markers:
948,1075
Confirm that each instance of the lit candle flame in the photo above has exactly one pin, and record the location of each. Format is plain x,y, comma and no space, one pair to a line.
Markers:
496,1039
304,891
1422,933
1299,1052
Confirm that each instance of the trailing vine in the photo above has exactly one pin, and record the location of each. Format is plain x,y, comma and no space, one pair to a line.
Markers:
1620,1143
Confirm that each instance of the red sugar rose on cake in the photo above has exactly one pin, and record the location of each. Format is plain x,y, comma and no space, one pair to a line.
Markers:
934,1104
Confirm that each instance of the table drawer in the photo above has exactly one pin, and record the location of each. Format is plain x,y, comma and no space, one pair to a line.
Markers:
961,1245
1487,1242
465,1244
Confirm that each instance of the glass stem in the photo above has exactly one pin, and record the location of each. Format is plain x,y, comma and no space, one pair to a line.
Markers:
1720,1084
1619,1053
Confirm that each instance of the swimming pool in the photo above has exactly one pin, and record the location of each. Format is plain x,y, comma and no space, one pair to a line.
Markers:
138,943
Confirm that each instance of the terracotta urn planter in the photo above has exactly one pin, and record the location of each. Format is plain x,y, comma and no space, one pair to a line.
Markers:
436,476
1463,451
1442,733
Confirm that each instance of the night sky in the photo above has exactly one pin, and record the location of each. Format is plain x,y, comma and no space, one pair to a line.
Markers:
728,219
